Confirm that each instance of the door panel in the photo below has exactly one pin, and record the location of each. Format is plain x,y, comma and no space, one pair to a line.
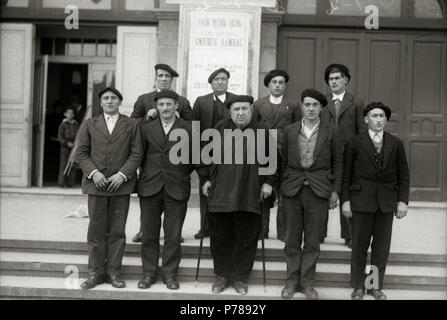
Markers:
16,52
426,111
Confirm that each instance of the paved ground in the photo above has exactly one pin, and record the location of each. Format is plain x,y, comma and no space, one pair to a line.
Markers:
43,217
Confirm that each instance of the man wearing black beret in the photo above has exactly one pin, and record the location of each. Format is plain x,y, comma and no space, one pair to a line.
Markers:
163,188
345,111
146,107
234,193
376,187
109,153
275,111
311,171
209,110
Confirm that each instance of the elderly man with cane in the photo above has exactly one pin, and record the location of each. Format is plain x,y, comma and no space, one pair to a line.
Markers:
234,192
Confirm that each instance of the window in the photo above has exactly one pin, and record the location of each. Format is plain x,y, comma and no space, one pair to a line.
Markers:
428,9
387,8
302,7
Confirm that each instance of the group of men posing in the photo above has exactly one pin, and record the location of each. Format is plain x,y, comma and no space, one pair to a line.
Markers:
331,149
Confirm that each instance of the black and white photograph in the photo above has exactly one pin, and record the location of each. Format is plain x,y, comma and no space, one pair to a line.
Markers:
224,157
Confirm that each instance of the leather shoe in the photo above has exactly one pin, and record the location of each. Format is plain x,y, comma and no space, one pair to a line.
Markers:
309,292
171,283
288,291
220,284
358,294
92,282
137,238
116,282
199,235
377,294
322,240
348,242
240,287
146,282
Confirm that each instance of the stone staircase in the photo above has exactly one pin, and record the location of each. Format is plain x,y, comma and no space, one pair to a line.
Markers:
35,269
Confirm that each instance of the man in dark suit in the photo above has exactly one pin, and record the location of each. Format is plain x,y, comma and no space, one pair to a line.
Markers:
145,107
163,187
234,192
109,153
376,186
344,111
209,110
275,111
312,171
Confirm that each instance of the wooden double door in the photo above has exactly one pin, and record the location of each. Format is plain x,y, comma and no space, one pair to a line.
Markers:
405,70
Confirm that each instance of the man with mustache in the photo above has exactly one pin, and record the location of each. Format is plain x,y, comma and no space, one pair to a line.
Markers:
145,107
109,154
163,188
209,110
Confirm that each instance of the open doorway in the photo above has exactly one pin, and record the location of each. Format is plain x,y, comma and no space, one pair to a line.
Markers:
66,86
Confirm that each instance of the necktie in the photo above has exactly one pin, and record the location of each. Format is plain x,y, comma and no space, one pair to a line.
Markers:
377,142
337,109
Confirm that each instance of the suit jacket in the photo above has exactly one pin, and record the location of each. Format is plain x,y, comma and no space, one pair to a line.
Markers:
364,185
288,113
109,153
204,108
324,175
157,169
146,101
350,120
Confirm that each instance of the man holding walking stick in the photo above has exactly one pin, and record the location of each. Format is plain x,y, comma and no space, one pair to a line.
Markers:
234,192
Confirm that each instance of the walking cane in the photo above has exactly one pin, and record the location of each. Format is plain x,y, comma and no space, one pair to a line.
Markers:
202,228
263,247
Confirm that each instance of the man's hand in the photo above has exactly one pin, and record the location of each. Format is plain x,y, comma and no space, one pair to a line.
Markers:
100,181
70,144
115,182
346,209
177,114
206,186
152,114
266,191
333,200
401,210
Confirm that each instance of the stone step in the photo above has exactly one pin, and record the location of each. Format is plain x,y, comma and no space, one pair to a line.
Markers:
328,274
33,287
332,253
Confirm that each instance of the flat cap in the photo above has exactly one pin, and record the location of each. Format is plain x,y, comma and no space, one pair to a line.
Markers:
336,67
379,105
115,91
275,73
317,95
215,73
167,68
166,94
240,98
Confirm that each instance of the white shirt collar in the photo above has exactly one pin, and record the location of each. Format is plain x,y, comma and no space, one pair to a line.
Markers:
309,132
338,96
112,117
167,126
275,100
221,97
373,133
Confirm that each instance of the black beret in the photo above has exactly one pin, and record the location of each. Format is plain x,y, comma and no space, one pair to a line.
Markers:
215,73
165,94
236,98
275,73
379,105
115,91
167,68
336,67
314,94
